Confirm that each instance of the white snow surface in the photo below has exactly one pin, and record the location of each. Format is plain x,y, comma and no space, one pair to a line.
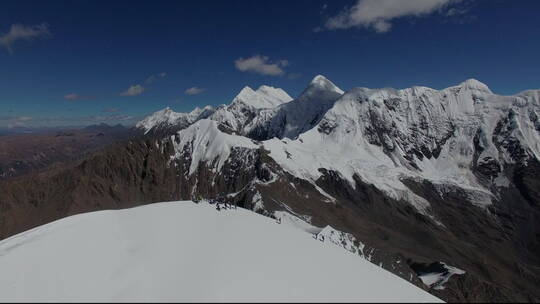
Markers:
181,251
205,142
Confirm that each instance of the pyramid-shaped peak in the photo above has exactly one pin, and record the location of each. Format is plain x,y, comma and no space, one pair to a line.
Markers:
244,94
321,82
246,89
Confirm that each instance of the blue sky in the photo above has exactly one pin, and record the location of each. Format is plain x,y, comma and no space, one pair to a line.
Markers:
82,62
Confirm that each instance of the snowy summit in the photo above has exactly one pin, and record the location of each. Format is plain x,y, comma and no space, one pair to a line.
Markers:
181,251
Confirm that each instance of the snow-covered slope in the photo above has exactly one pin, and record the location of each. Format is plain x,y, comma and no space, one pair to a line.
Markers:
181,251
204,142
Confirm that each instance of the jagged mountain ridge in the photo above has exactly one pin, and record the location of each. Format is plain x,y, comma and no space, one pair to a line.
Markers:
332,175
167,120
265,113
461,136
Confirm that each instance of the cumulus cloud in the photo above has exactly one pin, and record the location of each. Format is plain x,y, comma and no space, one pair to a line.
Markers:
133,90
19,32
378,14
155,77
194,91
261,65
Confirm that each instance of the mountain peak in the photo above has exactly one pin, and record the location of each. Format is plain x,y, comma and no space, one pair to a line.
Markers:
319,79
167,112
263,97
247,90
245,94
321,82
474,84
265,88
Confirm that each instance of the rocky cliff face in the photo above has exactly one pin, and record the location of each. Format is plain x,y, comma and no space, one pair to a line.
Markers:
410,179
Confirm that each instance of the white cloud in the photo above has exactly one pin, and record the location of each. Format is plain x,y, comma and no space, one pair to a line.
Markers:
133,90
378,14
261,65
154,78
11,122
72,97
194,91
20,32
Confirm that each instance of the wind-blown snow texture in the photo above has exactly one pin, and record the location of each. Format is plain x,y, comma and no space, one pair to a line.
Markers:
181,251
460,137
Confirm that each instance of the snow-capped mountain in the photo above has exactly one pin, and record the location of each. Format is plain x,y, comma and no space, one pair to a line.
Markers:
167,119
462,136
233,117
181,251
439,187
265,113
418,146
265,97
295,117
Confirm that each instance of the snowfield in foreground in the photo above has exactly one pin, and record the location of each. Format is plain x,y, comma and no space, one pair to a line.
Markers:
181,251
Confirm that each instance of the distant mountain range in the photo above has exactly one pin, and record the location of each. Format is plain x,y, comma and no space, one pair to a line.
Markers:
37,149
